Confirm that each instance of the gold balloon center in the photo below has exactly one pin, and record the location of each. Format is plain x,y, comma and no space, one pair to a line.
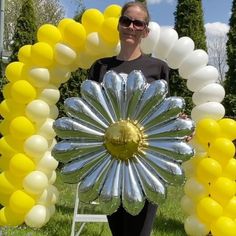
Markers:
123,139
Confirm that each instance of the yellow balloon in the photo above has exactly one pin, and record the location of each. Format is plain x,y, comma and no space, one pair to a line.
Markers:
74,34
208,210
21,127
21,165
24,54
21,202
10,218
207,130
109,31
223,226
4,127
92,20
230,208
23,92
62,24
35,182
14,71
222,150
42,54
4,163
7,185
4,199
7,90
7,148
112,11
229,170
222,190
228,128
49,33
208,170
10,109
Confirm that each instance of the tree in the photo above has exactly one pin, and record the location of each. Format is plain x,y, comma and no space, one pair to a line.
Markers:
45,12
230,82
216,45
25,31
188,22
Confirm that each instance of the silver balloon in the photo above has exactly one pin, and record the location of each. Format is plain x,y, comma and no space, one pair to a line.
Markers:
123,141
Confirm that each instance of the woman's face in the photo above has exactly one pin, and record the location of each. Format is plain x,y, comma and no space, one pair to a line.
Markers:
132,34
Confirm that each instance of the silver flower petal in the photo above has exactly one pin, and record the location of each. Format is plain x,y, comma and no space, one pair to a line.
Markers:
76,170
152,184
68,128
111,190
114,88
176,149
91,184
91,92
178,128
132,194
169,109
167,168
153,95
68,150
135,85
79,109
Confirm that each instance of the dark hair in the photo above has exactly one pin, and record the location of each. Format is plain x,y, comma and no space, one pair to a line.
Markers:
140,5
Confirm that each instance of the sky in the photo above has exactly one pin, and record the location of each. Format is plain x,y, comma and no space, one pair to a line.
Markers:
216,12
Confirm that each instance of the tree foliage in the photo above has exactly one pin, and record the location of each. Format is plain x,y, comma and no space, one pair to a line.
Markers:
230,82
25,30
188,22
45,12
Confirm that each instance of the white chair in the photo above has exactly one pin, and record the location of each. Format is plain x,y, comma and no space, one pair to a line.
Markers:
84,218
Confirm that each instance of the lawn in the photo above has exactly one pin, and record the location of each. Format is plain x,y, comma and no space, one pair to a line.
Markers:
169,220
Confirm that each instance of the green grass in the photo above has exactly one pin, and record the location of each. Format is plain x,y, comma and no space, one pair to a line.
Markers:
169,220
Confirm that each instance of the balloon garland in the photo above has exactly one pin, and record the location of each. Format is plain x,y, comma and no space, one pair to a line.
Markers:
28,169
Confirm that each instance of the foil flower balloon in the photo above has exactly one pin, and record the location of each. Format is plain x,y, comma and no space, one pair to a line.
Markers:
123,141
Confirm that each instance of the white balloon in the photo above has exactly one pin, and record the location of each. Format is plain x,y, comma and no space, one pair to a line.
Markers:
182,47
49,196
54,112
46,130
194,227
93,43
52,176
148,43
187,204
59,75
195,60
35,146
37,110
51,144
202,77
50,94
212,110
47,162
35,182
64,55
167,39
210,93
39,77
37,216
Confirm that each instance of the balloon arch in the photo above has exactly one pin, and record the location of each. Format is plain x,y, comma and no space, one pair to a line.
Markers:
28,168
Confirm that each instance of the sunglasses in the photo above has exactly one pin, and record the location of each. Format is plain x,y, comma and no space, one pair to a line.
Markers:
125,21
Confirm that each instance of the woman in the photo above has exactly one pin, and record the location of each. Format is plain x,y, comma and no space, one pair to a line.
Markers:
133,27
